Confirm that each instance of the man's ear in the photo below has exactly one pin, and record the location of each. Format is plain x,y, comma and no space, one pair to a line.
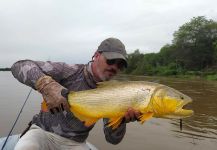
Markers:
96,55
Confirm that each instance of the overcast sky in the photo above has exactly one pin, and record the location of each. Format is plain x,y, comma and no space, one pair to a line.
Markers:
71,30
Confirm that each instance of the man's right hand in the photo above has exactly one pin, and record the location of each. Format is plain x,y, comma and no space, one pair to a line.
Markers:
52,94
131,115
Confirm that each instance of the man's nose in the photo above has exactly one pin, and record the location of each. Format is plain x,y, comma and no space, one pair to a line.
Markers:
115,66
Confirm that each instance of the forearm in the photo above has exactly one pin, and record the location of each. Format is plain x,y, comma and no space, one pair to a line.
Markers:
27,72
114,136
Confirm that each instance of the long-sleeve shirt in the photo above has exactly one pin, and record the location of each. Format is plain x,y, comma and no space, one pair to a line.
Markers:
75,77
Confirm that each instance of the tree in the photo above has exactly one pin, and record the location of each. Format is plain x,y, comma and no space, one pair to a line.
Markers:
166,54
194,43
134,60
193,49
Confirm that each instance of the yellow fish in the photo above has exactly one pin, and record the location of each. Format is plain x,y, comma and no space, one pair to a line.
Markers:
112,99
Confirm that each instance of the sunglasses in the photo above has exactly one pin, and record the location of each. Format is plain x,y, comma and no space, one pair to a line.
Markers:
120,63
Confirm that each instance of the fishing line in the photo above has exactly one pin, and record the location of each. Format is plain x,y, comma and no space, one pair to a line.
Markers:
16,119
180,124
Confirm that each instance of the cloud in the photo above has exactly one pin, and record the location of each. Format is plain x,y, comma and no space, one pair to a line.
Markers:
72,30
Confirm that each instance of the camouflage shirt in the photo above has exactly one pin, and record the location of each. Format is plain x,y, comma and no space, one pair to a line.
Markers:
73,77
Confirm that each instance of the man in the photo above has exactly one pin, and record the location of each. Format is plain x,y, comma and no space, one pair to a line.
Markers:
55,127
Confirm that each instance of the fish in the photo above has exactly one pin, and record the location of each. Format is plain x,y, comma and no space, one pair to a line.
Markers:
111,99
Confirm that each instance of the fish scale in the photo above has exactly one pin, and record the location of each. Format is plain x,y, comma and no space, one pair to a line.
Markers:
112,99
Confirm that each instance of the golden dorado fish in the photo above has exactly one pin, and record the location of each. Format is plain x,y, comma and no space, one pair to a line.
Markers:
112,99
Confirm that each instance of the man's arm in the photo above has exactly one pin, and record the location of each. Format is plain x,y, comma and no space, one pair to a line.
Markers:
115,136
45,77
28,72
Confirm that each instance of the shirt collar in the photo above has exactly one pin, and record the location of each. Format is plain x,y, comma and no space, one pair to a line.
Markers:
89,69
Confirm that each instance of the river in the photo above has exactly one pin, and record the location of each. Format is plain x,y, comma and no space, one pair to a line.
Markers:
199,131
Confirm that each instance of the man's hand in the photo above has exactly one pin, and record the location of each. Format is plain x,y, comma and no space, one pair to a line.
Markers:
52,94
131,115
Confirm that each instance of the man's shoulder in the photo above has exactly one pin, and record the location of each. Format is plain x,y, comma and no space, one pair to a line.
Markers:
72,69
73,66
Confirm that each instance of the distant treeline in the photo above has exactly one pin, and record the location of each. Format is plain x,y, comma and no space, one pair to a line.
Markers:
193,52
5,69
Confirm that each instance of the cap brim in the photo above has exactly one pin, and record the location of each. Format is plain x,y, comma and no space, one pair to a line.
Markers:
114,55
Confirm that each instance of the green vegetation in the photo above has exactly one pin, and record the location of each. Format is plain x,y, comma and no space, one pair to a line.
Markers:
193,53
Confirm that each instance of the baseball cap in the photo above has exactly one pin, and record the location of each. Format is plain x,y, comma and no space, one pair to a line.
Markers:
113,48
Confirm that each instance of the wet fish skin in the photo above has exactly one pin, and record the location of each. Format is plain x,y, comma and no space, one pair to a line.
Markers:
112,99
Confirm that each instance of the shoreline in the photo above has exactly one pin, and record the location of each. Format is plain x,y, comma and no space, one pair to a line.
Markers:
5,69
187,77
209,77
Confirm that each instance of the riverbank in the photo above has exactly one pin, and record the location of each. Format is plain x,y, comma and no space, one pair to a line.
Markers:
205,77
190,75
208,77
5,69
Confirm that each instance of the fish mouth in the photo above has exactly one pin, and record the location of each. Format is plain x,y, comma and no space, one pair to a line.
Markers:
170,103
182,111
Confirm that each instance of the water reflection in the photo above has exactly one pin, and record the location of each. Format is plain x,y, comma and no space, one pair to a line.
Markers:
203,124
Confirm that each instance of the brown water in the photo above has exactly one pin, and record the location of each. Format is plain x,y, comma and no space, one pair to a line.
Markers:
199,131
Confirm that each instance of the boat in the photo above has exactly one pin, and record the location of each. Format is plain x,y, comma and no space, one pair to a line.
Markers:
12,140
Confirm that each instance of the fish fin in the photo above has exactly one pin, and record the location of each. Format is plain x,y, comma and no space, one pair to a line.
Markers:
145,117
114,122
88,121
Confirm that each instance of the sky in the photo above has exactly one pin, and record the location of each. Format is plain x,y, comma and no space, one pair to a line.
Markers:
71,30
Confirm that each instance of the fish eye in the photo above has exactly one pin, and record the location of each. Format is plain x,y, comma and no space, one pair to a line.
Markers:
181,97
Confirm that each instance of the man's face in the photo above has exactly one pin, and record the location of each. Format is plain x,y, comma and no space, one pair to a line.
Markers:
106,69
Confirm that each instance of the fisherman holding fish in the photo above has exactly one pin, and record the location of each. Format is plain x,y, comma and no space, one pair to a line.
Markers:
56,127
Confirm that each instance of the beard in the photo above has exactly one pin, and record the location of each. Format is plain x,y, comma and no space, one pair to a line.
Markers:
103,77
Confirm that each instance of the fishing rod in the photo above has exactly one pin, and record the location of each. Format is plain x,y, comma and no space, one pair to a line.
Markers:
16,119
